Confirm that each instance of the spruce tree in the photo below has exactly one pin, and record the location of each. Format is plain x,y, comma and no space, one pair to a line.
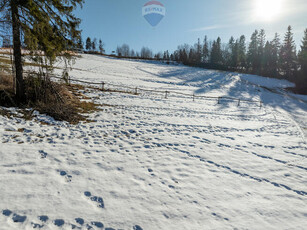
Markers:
94,44
216,52
261,45
192,57
275,45
198,52
101,49
80,43
242,52
47,25
232,53
252,54
88,44
288,55
229,52
205,53
302,57
267,60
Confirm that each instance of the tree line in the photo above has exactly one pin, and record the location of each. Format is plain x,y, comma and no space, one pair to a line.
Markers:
276,58
92,45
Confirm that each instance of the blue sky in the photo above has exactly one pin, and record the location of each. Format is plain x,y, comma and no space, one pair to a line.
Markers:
121,21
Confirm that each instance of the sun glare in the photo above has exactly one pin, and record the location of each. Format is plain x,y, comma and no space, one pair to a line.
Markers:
268,10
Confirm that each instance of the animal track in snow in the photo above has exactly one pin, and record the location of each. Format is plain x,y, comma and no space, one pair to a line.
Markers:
59,222
16,218
79,221
137,227
7,212
98,200
67,177
97,224
43,218
43,154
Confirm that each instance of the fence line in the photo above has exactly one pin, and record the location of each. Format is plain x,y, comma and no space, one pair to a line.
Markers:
167,93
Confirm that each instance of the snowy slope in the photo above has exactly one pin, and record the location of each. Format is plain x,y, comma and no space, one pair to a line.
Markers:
146,162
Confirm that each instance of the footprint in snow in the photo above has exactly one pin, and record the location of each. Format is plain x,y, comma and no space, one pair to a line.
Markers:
218,216
59,222
18,218
43,154
98,200
6,212
97,224
137,227
79,221
67,177
43,218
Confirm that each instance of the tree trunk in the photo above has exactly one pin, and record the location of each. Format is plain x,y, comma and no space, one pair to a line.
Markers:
20,88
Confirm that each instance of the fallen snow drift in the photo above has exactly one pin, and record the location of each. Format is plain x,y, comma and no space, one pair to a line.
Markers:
146,162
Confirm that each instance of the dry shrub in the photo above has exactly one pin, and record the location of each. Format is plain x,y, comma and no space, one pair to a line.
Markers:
6,81
60,101
60,112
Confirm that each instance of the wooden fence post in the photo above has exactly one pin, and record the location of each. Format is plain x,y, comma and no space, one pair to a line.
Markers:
102,86
218,100
136,90
166,94
239,101
193,97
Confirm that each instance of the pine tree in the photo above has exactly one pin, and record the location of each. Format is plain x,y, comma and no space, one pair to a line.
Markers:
198,52
192,57
184,56
80,43
288,55
302,57
47,25
267,60
261,45
242,52
232,53
205,53
275,45
216,52
252,54
101,49
229,52
94,44
88,45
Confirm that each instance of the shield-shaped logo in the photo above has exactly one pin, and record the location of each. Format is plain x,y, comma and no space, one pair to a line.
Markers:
153,12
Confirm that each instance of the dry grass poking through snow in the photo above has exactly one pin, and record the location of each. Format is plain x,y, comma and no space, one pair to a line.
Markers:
60,101
6,81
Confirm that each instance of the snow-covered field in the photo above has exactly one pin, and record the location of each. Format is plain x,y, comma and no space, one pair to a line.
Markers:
146,162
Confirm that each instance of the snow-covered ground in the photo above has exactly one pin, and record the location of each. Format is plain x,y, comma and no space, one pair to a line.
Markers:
146,162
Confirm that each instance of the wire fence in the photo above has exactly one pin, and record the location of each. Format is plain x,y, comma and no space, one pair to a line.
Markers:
106,86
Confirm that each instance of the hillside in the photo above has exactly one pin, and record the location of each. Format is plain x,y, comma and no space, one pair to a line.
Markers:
147,162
